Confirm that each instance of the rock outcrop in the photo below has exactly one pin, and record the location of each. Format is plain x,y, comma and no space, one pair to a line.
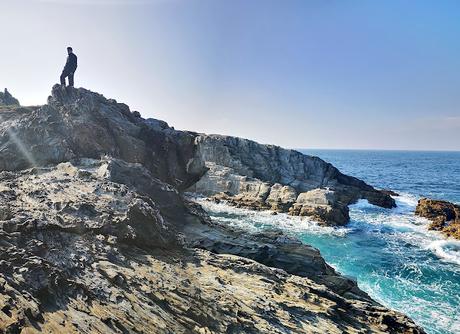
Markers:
257,176
78,123
444,216
96,237
6,99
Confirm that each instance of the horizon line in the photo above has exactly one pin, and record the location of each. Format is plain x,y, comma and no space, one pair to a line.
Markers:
379,149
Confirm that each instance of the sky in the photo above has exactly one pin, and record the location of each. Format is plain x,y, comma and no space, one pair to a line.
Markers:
295,73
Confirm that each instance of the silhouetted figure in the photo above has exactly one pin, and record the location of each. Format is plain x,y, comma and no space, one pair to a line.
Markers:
69,68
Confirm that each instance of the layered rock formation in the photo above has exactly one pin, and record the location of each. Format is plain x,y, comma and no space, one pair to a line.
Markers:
6,99
92,244
249,174
444,216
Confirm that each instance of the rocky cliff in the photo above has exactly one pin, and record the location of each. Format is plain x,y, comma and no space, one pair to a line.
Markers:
96,237
249,174
78,123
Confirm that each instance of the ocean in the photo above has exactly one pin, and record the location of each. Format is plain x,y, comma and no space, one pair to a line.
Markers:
390,252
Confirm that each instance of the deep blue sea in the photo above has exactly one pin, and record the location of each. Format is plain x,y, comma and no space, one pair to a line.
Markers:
389,251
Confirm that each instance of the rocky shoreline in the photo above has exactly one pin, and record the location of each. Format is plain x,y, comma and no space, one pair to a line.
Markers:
96,235
247,174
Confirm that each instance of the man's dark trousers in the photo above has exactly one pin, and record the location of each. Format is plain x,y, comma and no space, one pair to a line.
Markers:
69,75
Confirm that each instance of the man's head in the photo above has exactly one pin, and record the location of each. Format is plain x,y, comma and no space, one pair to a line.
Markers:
69,50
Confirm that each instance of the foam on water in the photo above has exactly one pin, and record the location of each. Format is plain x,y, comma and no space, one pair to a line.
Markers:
448,250
255,221
405,226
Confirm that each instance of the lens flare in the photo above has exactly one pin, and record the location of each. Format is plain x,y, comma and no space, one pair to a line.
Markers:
20,145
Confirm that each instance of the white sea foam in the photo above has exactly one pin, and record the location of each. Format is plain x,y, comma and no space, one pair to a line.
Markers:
405,226
405,202
401,221
448,250
258,220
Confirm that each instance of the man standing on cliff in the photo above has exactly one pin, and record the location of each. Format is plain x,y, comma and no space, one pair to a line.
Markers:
69,68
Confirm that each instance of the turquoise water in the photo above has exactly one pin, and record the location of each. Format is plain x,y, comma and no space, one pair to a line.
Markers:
389,251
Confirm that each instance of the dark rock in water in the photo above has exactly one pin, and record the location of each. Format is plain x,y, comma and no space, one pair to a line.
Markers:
444,216
6,99
270,177
389,192
97,237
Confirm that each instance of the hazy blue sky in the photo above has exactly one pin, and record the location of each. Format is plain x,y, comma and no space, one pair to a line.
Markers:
305,74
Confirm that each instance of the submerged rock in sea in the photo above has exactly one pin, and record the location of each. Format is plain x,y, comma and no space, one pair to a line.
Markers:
96,237
444,216
258,176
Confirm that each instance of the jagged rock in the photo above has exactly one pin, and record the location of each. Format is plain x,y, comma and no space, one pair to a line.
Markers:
444,216
249,172
81,203
6,99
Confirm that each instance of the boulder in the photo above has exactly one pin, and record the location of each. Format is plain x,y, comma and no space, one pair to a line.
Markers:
281,197
444,216
322,205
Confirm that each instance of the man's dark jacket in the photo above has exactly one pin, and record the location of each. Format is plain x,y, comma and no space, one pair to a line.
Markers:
71,64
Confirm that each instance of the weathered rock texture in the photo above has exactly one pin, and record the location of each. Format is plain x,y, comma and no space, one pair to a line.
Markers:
444,216
109,245
6,99
249,174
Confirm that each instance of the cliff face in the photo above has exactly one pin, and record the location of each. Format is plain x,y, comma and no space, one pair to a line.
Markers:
246,173
108,244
